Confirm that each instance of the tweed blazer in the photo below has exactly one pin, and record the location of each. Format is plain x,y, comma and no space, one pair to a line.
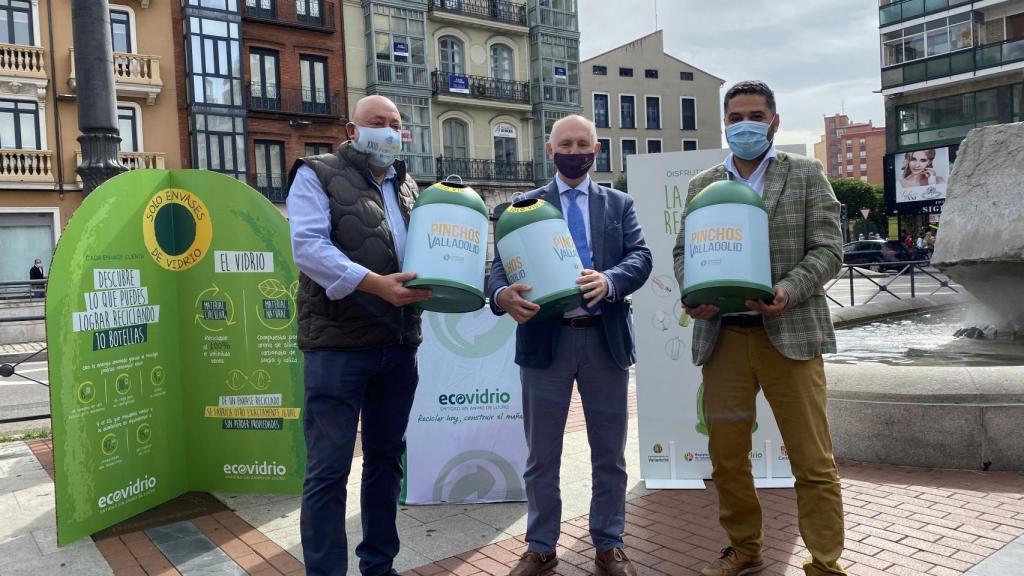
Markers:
806,247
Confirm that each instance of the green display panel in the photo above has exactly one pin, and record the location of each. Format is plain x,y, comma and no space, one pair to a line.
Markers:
171,326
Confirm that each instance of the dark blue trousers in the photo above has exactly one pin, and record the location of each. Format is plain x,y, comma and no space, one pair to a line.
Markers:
380,385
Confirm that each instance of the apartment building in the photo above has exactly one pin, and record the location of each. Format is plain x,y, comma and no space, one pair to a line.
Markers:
646,101
39,189
948,66
852,149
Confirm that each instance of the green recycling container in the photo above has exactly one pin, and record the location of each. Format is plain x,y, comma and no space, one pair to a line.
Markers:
727,260
537,249
447,247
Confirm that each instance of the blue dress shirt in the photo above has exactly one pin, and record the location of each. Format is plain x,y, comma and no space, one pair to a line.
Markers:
309,215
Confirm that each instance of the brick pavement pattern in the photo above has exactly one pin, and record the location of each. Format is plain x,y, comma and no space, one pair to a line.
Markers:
899,521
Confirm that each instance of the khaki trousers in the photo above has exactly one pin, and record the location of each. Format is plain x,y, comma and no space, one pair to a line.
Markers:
745,361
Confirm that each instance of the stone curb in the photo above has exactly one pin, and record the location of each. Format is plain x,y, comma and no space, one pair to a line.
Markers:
853,315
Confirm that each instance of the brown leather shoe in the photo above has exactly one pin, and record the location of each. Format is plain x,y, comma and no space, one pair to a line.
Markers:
613,562
734,563
534,563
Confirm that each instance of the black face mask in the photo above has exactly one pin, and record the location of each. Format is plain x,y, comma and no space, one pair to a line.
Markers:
574,166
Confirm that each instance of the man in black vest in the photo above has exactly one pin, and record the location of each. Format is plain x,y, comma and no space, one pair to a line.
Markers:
349,215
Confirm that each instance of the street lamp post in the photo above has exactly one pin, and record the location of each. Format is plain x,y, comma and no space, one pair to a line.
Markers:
97,106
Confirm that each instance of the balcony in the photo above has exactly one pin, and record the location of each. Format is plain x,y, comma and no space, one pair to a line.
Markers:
22,61
298,101
135,75
270,185
399,73
981,58
492,10
893,12
472,170
316,16
134,160
26,166
480,87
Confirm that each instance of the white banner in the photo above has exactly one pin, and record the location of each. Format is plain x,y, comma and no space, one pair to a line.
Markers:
673,434
466,442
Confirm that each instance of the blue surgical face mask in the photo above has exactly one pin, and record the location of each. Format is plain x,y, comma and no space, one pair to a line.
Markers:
381,144
748,139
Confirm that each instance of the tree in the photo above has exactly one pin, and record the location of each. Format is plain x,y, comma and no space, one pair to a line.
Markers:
856,194
621,183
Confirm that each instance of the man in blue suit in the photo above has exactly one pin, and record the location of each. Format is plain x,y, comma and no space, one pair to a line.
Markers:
591,345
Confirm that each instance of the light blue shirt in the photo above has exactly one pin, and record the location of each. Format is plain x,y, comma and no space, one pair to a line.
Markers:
309,215
756,180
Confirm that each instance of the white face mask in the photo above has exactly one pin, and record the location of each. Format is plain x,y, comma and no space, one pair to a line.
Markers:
382,144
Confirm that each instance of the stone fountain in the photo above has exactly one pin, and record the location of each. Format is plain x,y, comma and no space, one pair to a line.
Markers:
955,415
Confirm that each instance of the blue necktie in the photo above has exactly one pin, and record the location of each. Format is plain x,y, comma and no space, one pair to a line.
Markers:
578,230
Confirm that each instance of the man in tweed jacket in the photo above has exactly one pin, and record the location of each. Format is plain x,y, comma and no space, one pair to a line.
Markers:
775,348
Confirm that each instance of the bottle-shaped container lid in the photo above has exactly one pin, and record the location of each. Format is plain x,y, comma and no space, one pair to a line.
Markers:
523,213
725,192
452,193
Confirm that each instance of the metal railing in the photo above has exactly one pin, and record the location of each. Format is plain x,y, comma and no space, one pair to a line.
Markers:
23,290
315,15
484,170
30,290
890,12
500,10
909,269
953,63
482,87
400,73
273,98
270,185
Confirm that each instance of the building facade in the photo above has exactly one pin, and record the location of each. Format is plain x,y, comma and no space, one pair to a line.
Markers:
948,66
39,189
852,149
479,84
262,84
646,101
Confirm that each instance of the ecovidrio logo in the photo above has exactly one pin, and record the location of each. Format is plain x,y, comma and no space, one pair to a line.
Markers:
256,469
139,487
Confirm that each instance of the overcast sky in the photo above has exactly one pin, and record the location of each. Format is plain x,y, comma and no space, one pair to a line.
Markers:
817,55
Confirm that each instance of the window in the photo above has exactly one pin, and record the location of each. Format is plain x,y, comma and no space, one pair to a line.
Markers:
19,125
450,55
599,70
689,145
627,111
849,143
626,72
556,69
863,178
502,62
506,150
861,142
399,46
120,31
651,73
849,168
946,119
313,74
220,144
16,26
689,113
863,154
654,145
627,150
604,157
227,5
653,109
863,167
601,110
686,76
318,148
417,152
456,138
935,37
216,74
269,177
128,126
263,77
261,8
309,11
849,155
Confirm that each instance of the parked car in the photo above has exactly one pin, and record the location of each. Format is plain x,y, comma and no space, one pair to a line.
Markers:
886,254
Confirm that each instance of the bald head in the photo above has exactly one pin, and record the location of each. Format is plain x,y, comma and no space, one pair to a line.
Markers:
574,124
374,112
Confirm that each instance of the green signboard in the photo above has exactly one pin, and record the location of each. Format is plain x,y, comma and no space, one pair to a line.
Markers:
171,325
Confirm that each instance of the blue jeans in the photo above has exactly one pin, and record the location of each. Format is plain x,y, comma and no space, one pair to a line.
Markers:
339,385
